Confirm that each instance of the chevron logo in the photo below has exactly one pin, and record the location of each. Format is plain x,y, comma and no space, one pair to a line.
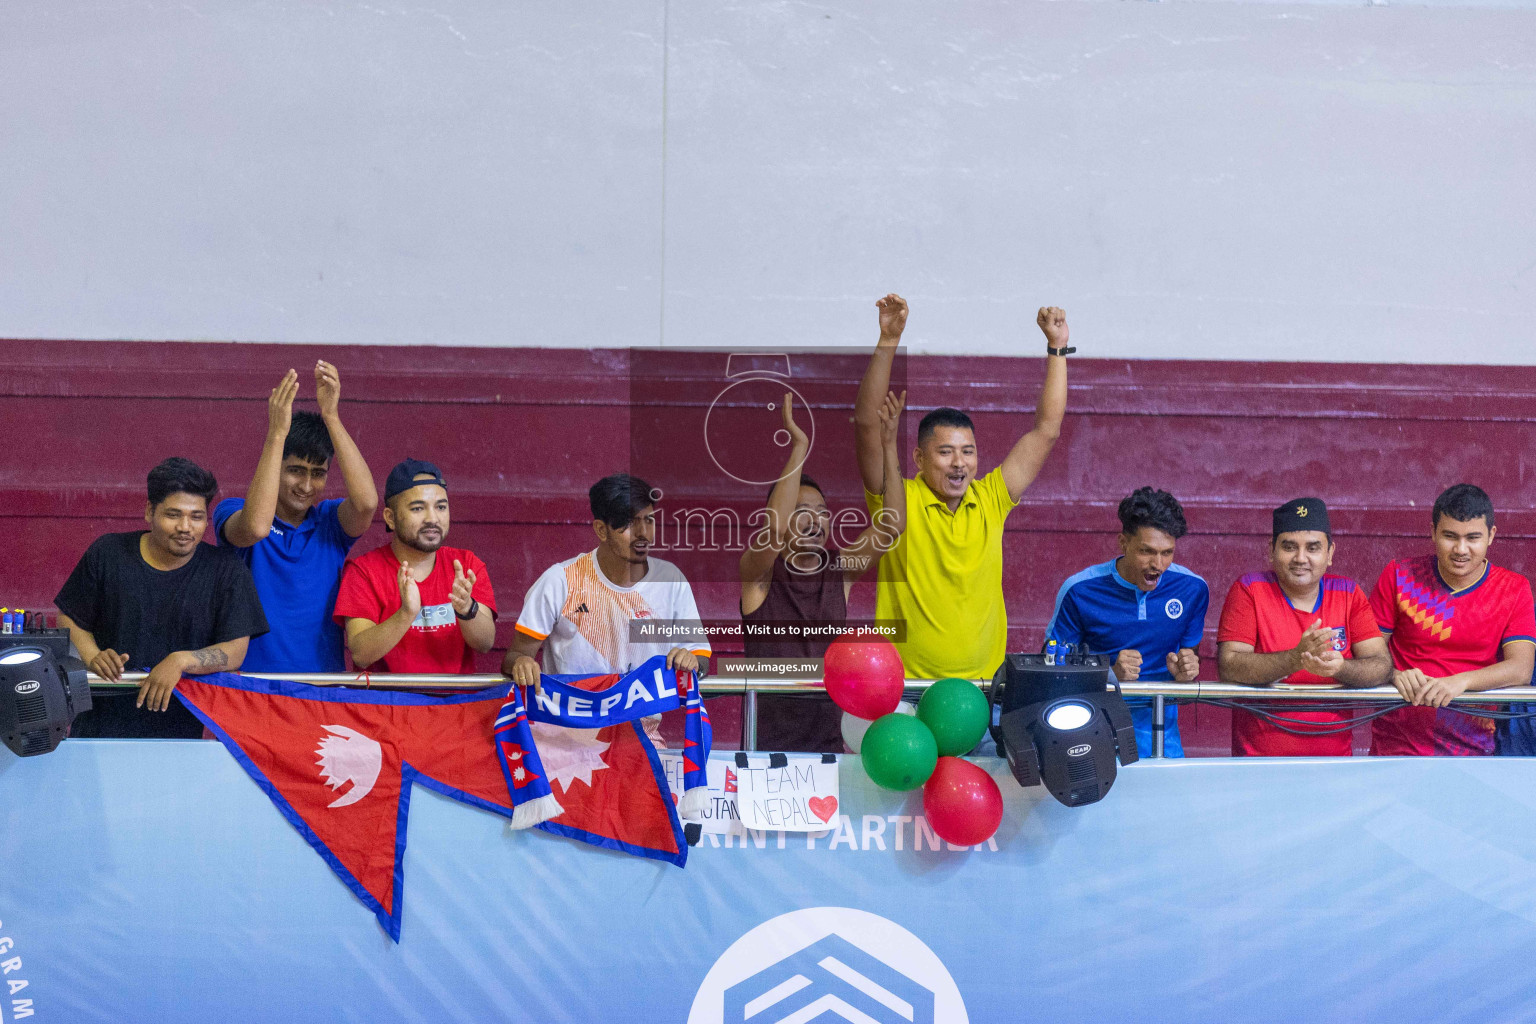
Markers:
828,964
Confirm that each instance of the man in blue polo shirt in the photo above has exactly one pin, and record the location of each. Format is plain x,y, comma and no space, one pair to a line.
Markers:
1146,612
294,543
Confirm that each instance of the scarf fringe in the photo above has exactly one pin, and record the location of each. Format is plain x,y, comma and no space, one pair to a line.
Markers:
694,802
535,811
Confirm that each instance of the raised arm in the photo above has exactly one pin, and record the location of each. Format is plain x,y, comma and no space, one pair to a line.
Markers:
1029,453
476,623
872,391
890,522
254,521
356,513
756,566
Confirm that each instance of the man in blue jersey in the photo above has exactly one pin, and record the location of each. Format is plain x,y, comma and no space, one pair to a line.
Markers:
1141,609
294,543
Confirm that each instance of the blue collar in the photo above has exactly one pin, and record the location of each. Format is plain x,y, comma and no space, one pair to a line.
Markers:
1487,567
283,528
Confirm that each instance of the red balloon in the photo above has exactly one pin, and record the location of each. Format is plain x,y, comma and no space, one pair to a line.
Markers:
962,803
863,677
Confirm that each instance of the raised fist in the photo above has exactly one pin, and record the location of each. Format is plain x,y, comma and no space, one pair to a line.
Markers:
1183,665
1053,321
893,315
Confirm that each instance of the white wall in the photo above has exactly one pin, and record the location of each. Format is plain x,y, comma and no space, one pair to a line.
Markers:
1215,180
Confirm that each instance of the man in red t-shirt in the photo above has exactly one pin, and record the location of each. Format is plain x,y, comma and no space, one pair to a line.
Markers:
1457,624
414,605
1298,624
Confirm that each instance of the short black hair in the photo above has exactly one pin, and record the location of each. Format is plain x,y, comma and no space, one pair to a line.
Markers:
181,476
805,481
1147,506
943,416
1463,503
617,499
309,438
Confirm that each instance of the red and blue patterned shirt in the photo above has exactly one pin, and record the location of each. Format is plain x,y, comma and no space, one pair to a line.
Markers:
1443,632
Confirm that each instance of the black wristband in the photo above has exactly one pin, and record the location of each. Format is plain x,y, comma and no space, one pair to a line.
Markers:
474,609
1066,351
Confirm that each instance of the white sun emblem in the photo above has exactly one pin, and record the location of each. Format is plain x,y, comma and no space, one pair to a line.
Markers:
568,755
348,756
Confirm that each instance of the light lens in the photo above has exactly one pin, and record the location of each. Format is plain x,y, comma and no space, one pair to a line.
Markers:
20,657
1068,715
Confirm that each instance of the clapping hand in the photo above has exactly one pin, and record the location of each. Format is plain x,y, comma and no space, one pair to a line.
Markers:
410,593
280,405
463,594
327,388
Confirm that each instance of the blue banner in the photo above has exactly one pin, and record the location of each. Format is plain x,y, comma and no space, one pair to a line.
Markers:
153,881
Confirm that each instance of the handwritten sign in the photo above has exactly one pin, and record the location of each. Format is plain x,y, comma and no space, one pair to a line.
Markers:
720,815
787,792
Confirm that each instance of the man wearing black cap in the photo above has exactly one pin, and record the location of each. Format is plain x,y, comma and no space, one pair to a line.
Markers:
1296,623
414,605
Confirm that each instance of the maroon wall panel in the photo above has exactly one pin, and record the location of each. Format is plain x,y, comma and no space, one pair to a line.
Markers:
522,433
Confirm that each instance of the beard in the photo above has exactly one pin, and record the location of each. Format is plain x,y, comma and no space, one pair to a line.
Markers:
426,545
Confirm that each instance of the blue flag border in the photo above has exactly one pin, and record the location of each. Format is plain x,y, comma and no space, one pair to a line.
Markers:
409,775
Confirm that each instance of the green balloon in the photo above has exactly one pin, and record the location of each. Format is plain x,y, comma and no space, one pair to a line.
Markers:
956,712
899,752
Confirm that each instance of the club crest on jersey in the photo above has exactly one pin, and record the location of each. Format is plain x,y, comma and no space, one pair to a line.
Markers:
1340,640
1174,608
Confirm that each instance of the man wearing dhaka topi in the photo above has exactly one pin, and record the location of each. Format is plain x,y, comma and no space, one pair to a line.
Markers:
1299,624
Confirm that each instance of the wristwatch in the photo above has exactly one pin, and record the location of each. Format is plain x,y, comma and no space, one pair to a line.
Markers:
1065,351
474,609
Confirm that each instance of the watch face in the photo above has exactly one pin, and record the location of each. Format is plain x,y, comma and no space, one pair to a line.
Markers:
744,429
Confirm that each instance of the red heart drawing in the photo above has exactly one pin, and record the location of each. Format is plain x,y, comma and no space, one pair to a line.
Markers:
823,806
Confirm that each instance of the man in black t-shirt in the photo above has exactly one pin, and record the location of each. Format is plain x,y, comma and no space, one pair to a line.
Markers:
162,602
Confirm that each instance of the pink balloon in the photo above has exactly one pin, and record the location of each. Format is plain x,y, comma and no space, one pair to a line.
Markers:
863,677
961,802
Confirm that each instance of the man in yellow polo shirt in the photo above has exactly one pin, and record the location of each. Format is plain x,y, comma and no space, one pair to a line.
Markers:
944,578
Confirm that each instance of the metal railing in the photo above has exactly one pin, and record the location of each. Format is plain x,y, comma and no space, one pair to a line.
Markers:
748,687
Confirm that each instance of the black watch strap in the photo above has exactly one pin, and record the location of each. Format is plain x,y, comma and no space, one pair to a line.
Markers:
1068,350
474,609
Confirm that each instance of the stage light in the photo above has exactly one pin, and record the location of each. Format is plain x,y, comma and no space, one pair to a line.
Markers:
1060,726
40,695
1068,715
